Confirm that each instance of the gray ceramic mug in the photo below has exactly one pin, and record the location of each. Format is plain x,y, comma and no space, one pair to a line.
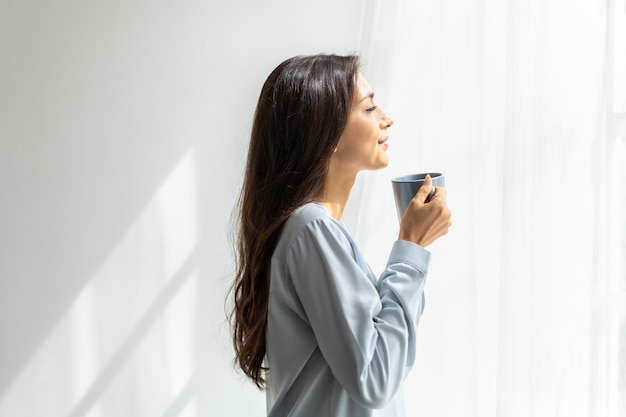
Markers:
406,186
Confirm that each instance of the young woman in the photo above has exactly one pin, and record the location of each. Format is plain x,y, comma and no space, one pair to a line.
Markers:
311,323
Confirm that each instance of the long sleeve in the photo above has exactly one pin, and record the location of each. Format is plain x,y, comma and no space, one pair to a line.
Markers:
366,332
340,341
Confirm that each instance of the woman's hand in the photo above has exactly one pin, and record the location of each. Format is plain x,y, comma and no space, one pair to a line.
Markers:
424,221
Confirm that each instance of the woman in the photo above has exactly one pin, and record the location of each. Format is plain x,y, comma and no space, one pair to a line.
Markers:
311,323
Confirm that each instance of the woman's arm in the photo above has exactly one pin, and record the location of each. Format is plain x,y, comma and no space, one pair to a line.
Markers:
365,328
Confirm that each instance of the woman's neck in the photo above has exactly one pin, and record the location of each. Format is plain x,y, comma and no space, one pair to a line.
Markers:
335,194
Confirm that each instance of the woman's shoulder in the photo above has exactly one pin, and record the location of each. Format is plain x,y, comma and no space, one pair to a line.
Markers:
305,215
308,212
305,221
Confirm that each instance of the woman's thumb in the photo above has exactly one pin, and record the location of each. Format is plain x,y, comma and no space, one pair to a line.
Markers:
426,191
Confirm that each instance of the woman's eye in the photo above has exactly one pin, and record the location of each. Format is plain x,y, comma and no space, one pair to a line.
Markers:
370,109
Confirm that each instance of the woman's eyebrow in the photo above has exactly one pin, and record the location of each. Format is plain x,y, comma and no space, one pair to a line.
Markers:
370,95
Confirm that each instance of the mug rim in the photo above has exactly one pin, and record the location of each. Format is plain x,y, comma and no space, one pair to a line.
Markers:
416,177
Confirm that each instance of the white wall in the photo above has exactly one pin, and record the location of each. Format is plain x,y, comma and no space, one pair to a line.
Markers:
123,133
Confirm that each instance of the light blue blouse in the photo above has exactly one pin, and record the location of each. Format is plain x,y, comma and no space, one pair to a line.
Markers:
340,342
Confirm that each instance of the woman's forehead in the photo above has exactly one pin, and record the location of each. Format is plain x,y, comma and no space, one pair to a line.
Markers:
364,89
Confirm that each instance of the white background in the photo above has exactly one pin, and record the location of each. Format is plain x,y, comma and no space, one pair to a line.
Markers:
123,135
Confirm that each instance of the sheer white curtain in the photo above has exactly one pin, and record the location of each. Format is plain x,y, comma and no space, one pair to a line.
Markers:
521,104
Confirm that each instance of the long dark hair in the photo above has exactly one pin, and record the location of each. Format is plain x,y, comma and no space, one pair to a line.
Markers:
302,110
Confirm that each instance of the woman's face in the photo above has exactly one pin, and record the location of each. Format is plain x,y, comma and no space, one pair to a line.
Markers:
363,144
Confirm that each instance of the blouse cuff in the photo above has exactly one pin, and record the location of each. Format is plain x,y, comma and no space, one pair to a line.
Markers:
410,253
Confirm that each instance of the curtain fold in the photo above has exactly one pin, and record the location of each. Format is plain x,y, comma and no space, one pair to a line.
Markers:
509,99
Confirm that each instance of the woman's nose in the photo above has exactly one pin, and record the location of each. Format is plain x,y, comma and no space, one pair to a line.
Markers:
385,121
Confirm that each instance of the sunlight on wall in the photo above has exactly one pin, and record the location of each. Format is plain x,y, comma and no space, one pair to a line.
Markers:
125,346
